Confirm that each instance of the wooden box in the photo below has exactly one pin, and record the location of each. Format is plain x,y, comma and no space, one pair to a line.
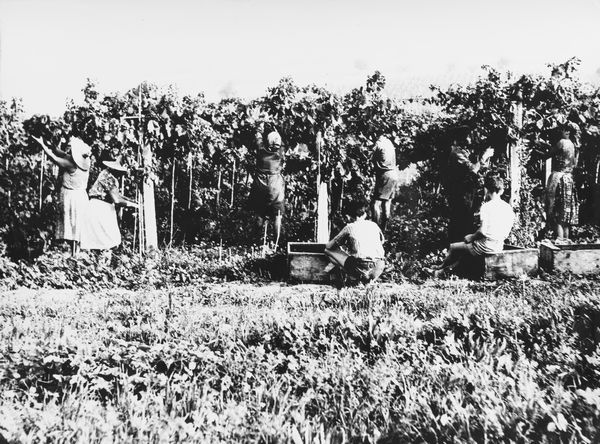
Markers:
512,262
307,262
574,258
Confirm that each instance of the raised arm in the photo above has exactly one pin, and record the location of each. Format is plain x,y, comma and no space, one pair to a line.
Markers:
59,160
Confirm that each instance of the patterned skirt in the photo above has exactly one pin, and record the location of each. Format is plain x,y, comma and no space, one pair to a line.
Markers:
562,206
72,209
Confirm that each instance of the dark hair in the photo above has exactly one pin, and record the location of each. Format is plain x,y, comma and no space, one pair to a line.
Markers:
493,183
459,134
357,207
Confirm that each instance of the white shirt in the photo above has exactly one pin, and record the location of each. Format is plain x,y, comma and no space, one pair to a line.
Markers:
362,239
497,218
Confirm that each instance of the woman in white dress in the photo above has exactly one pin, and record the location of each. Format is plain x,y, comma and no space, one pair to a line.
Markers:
101,229
73,198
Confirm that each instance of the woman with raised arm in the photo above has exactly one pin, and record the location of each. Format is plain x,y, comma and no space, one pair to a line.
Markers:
101,229
73,198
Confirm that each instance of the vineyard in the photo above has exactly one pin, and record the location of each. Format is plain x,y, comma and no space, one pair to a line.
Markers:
204,341
202,154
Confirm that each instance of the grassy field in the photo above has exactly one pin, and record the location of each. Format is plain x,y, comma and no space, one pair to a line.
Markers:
446,361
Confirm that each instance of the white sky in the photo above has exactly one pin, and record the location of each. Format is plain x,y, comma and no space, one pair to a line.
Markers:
223,47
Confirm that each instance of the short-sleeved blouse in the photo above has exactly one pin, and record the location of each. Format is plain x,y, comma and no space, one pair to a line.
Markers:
105,183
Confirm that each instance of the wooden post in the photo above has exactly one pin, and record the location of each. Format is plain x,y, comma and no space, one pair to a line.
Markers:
232,183
514,155
146,211
322,229
172,202
149,222
42,166
6,172
122,194
547,170
218,189
191,174
341,197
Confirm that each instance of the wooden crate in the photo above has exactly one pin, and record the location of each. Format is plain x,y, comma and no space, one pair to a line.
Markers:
512,262
574,258
307,262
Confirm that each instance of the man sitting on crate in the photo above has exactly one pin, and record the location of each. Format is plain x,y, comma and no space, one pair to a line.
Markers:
362,258
497,219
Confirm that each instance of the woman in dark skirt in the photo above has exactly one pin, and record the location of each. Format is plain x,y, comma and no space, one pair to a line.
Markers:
562,206
267,196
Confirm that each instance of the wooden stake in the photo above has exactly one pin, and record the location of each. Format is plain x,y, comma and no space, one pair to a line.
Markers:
232,184
514,150
135,219
191,173
42,166
342,197
218,189
172,203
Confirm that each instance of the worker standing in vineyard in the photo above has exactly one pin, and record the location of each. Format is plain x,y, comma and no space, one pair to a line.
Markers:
101,228
73,198
462,182
387,177
267,195
562,207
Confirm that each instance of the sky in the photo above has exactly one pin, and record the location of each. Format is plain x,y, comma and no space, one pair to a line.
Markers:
227,48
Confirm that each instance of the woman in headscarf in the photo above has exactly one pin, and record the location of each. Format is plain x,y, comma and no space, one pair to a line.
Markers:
101,229
562,207
72,199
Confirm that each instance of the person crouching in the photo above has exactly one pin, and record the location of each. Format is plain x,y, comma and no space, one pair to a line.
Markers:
362,258
497,218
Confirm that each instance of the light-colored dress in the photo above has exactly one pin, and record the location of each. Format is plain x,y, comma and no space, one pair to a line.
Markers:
72,204
101,229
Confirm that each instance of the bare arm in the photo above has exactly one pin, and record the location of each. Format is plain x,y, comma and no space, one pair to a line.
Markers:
59,160
121,200
337,240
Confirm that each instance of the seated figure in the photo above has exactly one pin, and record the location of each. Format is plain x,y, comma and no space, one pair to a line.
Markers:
363,256
497,218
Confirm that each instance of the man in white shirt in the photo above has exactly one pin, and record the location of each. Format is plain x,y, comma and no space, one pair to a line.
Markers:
363,257
497,218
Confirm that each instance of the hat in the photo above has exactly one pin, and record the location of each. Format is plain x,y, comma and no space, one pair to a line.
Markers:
115,164
80,152
383,143
273,138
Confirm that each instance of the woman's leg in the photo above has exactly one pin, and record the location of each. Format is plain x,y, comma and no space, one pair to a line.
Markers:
560,231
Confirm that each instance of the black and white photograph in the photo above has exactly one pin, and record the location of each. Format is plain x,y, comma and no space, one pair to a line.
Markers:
298,222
